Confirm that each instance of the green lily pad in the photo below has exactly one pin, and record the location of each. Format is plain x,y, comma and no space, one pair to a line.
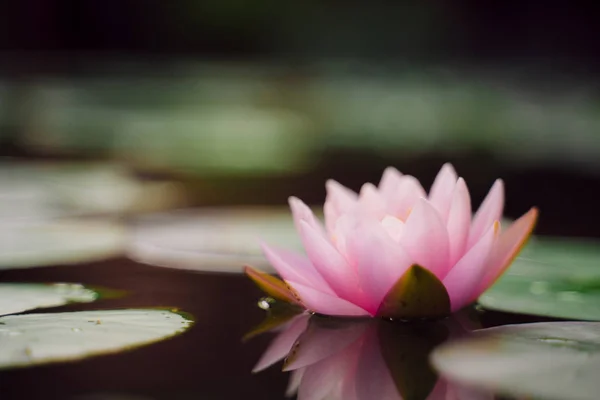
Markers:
34,339
19,297
417,294
553,277
43,243
219,240
42,190
555,360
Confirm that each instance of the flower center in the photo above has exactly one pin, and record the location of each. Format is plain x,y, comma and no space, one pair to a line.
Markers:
393,226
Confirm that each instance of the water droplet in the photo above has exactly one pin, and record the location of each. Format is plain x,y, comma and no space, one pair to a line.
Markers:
266,303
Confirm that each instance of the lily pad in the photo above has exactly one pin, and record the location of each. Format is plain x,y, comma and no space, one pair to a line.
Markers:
109,189
554,277
19,297
42,243
220,240
556,360
34,339
417,294
24,201
41,190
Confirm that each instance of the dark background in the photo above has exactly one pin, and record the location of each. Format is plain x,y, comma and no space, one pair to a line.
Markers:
527,49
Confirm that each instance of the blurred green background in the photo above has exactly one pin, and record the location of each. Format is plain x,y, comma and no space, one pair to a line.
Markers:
250,102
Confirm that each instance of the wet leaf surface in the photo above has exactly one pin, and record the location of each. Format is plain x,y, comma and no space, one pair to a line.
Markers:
45,243
553,360
554,277
19,297
33,339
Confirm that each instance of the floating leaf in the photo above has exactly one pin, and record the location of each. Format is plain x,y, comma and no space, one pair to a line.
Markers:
41,243
548,297
19,297
33,339
44,190
554,277
556,360
211,240
417,294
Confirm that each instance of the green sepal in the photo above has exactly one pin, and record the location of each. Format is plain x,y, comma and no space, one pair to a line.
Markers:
418,294
271,285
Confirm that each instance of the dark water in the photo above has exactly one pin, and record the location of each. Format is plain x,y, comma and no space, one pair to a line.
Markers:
209,361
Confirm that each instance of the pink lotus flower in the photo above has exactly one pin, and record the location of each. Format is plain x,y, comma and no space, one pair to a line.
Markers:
394,251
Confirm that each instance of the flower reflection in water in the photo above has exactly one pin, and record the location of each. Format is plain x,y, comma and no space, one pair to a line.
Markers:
360,359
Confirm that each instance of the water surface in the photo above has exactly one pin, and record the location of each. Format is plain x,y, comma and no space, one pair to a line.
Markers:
209,361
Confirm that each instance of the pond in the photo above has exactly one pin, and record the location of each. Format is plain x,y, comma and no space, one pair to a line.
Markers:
207,361
155,306
212,360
